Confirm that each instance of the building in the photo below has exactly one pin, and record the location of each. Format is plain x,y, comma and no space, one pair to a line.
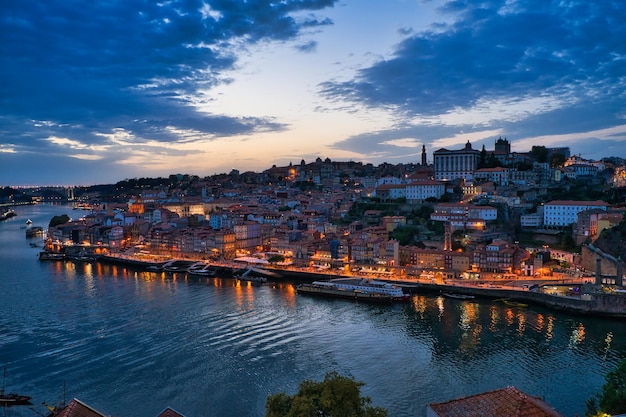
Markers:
77,408
497,175
450,165
504,402
418,191
562,213
465,216
499,257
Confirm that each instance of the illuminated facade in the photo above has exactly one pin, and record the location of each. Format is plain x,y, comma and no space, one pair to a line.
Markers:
451,165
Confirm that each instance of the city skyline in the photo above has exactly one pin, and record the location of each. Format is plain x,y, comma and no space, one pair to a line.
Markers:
94,93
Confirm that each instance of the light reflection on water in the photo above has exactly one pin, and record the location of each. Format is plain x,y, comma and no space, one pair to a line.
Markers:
130,343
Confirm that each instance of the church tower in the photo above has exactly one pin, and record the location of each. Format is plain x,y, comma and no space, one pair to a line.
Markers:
423,155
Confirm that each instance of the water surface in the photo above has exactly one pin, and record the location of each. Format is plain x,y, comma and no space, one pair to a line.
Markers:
130,343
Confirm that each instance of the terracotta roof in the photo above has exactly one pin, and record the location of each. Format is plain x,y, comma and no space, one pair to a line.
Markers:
504,402
169,412
78,409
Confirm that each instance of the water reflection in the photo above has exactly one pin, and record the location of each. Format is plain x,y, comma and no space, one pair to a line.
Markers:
190,342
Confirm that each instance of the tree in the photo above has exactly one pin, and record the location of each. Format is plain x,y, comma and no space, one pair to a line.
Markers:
557,160
57,220
336,396
612,400
539,153
276,258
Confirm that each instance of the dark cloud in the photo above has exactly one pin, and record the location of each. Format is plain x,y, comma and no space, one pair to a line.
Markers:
499,49
307,47
102,65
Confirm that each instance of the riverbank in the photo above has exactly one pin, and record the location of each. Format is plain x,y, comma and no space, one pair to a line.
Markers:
597,304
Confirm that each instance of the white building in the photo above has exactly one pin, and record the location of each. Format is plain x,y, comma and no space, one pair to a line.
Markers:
498,175
450,165
561,213
421,190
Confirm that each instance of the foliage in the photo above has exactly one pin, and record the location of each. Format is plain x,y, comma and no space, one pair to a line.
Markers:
275,259
405,235
557,160
539,154
57,220
613,241
336,396
612,400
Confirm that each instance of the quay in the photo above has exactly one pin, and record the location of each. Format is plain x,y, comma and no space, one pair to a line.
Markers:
612,305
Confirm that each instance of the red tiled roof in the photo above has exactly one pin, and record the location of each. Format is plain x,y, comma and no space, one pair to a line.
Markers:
78,409
168,412
504,402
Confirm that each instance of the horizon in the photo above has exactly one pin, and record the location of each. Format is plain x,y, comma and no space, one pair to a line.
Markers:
165,176
207,87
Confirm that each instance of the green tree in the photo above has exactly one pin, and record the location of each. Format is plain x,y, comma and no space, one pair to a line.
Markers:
539,153
557,160
336,396
57,220
276,258
612,399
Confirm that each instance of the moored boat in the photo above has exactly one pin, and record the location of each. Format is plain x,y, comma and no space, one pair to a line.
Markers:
254,279
202,269
458,296
51,256
514,303
34,231
359,289
177,266
7,214
9,399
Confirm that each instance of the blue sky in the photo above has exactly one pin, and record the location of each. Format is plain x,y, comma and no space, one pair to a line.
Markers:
99,91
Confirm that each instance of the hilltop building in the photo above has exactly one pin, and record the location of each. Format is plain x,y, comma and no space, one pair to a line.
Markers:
455,164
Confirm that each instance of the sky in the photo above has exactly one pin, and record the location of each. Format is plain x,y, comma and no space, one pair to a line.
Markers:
94,92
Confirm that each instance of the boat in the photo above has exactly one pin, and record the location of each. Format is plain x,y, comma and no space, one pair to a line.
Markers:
202,269
514,303
458,296
29,221
177,266
84,258
254,279
34,231
51,256
358,289
9,399
7,214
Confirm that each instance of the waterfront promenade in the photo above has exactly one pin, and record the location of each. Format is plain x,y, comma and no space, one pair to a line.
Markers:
559,293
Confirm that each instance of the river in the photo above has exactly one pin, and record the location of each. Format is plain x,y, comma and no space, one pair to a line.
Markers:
130,343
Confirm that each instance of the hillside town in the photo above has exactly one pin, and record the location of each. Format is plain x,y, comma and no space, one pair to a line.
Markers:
458,214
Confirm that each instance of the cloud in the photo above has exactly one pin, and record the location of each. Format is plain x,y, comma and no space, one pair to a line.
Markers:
520,68
92,67
497,50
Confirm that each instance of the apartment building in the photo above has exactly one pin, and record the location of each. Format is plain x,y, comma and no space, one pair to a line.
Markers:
561,213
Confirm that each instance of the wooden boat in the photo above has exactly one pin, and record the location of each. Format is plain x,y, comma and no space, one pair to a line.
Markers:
9,399
514,303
